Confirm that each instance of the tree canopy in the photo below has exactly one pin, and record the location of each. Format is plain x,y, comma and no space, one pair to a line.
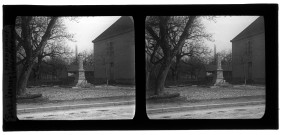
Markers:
169,38
36,38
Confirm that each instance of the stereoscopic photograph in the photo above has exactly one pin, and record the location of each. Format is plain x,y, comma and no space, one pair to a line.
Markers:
75,68
205,67
140,67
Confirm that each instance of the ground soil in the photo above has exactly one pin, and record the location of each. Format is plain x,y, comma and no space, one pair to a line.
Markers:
182,101
40,102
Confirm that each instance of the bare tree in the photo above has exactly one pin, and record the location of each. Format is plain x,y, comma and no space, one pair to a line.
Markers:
88,57
167,37
226,57
158,29
36,37
195,49
196,64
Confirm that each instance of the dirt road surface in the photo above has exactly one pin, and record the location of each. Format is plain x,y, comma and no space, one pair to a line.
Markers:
241,112
97,113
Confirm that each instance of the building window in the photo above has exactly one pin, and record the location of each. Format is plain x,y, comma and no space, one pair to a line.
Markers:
249,48
110,54
110,49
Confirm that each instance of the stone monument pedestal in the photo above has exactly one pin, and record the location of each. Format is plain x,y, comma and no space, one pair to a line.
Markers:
80,80
219,77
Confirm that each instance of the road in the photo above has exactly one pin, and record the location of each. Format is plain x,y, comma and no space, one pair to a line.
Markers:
239,112
128,111
94,113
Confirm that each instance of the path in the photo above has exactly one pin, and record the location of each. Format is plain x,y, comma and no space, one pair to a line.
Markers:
241,112
93,113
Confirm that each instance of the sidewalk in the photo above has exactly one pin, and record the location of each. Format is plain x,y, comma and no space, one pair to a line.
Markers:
181,105
198,97
190,96
66,98
151,107
75,104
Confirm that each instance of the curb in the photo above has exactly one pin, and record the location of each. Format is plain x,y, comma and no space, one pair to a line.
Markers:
200,107
65,107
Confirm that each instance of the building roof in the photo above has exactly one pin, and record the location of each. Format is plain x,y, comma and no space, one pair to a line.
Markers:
122,25
211,68
254,28
73,68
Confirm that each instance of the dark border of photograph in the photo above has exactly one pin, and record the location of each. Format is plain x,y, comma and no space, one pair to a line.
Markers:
140,121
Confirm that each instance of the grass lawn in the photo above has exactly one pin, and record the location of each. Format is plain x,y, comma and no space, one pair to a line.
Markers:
205,93
193,95
60,93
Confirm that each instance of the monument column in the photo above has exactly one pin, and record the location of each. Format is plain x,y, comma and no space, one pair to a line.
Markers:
219,72
81,75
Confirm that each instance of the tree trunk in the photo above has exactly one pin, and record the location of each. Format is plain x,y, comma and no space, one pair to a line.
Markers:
147,74
152,78
175,72
162,77
173,75
38,68
23,79
147,80
178,58
177,76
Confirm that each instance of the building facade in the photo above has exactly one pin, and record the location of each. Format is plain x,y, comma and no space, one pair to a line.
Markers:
114,53
248,54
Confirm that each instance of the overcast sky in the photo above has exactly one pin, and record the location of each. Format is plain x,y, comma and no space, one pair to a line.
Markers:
223,29
87,29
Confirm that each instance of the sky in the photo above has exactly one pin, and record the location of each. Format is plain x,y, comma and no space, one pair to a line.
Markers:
86,29
224,28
